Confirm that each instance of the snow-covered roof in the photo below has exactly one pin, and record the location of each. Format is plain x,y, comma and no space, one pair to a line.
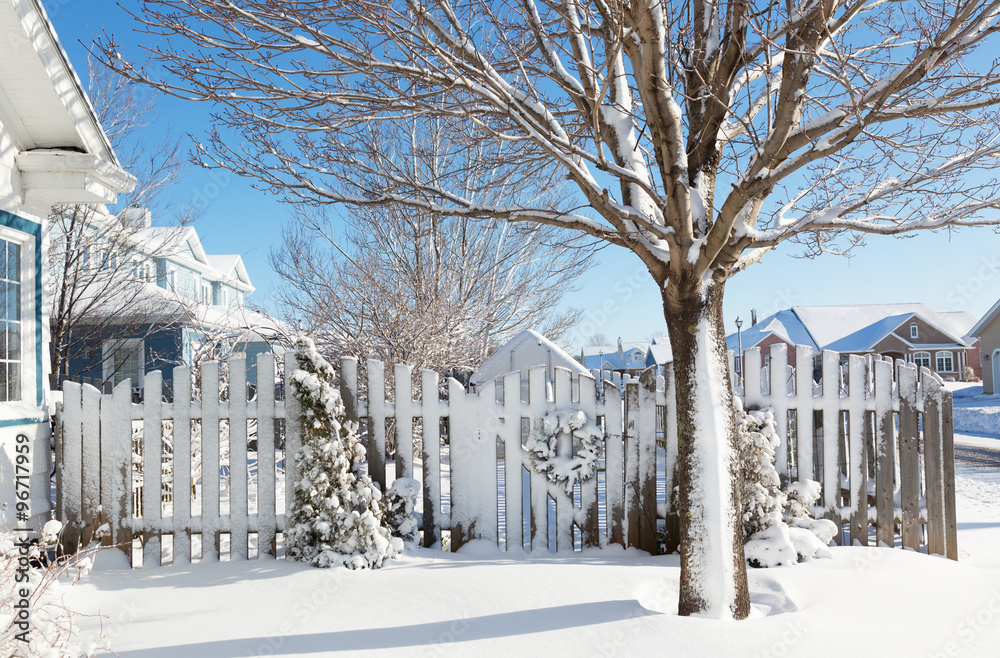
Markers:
526,350
987,319
606,357
231,267
183,244
659,352
851,328
785,324
62,151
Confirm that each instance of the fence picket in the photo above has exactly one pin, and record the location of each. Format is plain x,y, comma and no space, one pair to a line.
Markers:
183,482
673,528
614,463
752,394
933,461
632,510
909,459
539,491
376,422
948,476
779,402
266,480
90,476
646,451
293,436
590,533
563,395
152,467
884,452
403,377
107,481
431,427
831,436
857,454
513,456
238,510
71,465
210,457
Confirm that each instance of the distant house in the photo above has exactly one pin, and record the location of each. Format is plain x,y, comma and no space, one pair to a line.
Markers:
52,151
914,333
987,330
196,301
527,349
628,358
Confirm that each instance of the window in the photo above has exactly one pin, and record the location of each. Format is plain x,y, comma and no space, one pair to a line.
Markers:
206,293
10,319
636,356
944,362
124,360
922,359
914,332
738,365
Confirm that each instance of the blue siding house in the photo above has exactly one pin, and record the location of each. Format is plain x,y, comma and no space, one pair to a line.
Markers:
195,307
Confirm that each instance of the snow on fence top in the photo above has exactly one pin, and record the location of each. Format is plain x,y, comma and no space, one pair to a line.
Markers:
877,436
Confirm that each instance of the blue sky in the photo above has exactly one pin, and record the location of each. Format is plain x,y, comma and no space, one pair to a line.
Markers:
957,271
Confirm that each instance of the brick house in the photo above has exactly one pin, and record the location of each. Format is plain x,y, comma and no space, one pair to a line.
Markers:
914,333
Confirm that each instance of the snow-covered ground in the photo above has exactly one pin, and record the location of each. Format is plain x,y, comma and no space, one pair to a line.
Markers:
975,413
481,602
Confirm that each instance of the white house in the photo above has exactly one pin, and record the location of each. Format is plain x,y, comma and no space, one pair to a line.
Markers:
528,349
52,150
628,358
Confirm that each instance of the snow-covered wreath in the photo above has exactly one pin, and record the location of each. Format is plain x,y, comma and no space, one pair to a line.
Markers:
543,442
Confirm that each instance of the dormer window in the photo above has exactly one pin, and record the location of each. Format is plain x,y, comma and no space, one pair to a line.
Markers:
914,332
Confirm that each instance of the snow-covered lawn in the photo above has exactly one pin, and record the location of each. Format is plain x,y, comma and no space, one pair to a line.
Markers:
876,600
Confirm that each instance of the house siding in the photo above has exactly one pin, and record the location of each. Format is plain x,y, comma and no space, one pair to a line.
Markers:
989,338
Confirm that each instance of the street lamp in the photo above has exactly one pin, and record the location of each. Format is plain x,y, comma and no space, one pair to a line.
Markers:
739,338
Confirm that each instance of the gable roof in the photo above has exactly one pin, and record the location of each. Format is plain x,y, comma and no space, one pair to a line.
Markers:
785,324
62,151
231,267
850,328
533,347
986,320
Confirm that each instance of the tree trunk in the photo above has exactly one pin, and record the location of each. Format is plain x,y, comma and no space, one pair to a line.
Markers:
713,567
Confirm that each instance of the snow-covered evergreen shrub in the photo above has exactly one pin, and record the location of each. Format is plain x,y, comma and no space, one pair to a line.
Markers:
802,497
760,488
336,515
778,528
400,503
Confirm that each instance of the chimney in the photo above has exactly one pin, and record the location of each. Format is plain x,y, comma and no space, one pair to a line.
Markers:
753,317
136,217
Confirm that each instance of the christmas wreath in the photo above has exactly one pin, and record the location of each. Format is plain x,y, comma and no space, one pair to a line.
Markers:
568,470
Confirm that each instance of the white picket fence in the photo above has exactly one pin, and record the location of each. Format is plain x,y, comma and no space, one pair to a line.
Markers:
882,420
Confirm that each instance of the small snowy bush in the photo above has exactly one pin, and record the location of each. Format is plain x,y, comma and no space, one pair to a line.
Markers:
50,629
336,515
400,501
778,528
803,496
760,488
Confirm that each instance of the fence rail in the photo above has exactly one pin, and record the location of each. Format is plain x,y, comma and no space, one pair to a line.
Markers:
876,435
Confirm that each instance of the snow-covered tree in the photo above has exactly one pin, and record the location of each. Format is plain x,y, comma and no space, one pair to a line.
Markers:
336,515
406,286
699,134
102,261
